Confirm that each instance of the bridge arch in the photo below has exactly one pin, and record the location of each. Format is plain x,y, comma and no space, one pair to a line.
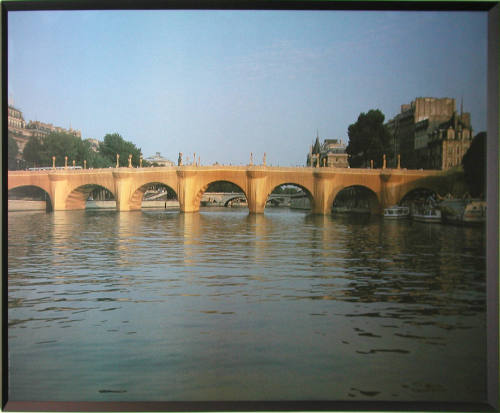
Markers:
77,197
418,192
207,185
355,198
303,188
234,198
42,184
137,197
31,193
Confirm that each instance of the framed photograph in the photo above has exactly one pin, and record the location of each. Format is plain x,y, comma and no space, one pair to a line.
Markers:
250,206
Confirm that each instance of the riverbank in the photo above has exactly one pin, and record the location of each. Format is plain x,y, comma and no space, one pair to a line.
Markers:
25,205
22,205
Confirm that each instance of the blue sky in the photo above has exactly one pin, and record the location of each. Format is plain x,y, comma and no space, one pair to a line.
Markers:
227,83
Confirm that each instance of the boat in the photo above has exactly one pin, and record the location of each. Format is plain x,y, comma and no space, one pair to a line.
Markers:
471,212
396,212
475,213
427,214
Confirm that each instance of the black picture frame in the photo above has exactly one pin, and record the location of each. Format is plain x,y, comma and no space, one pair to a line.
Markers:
492,402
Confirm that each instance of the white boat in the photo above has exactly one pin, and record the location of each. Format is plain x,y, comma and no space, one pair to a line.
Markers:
475,213
469,212
396,212
427,215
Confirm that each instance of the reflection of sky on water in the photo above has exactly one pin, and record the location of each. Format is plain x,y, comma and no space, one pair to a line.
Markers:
220,304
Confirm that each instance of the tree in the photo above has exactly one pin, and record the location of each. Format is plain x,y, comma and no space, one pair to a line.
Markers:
61,145
32,152
369,140
97,160
12,152
39,152
474,164
114,144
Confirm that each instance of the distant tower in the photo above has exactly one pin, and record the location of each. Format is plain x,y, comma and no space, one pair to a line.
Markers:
317,146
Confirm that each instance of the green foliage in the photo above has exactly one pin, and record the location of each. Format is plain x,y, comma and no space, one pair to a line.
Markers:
474,164
39,152
12,151
369,139
95,159
114,144
32,152
61,145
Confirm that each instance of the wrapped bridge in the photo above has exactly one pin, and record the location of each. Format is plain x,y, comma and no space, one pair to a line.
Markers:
69,189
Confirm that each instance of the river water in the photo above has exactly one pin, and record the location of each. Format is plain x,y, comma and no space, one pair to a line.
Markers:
222,305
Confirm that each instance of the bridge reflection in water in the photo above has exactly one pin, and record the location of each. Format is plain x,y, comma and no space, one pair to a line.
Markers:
69,189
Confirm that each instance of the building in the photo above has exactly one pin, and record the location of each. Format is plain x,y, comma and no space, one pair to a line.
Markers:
16,127
159,160
448,143
428,133
40,129
15,118
21,131
332,153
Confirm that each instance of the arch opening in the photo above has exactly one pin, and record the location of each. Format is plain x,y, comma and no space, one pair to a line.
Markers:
91,196
236,202
290,195
154,195
356,199
420,200
28,198
100,193
418,195
222,194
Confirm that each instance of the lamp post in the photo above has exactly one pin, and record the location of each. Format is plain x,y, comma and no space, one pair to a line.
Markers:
130,161
53,162
65,162
117,160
